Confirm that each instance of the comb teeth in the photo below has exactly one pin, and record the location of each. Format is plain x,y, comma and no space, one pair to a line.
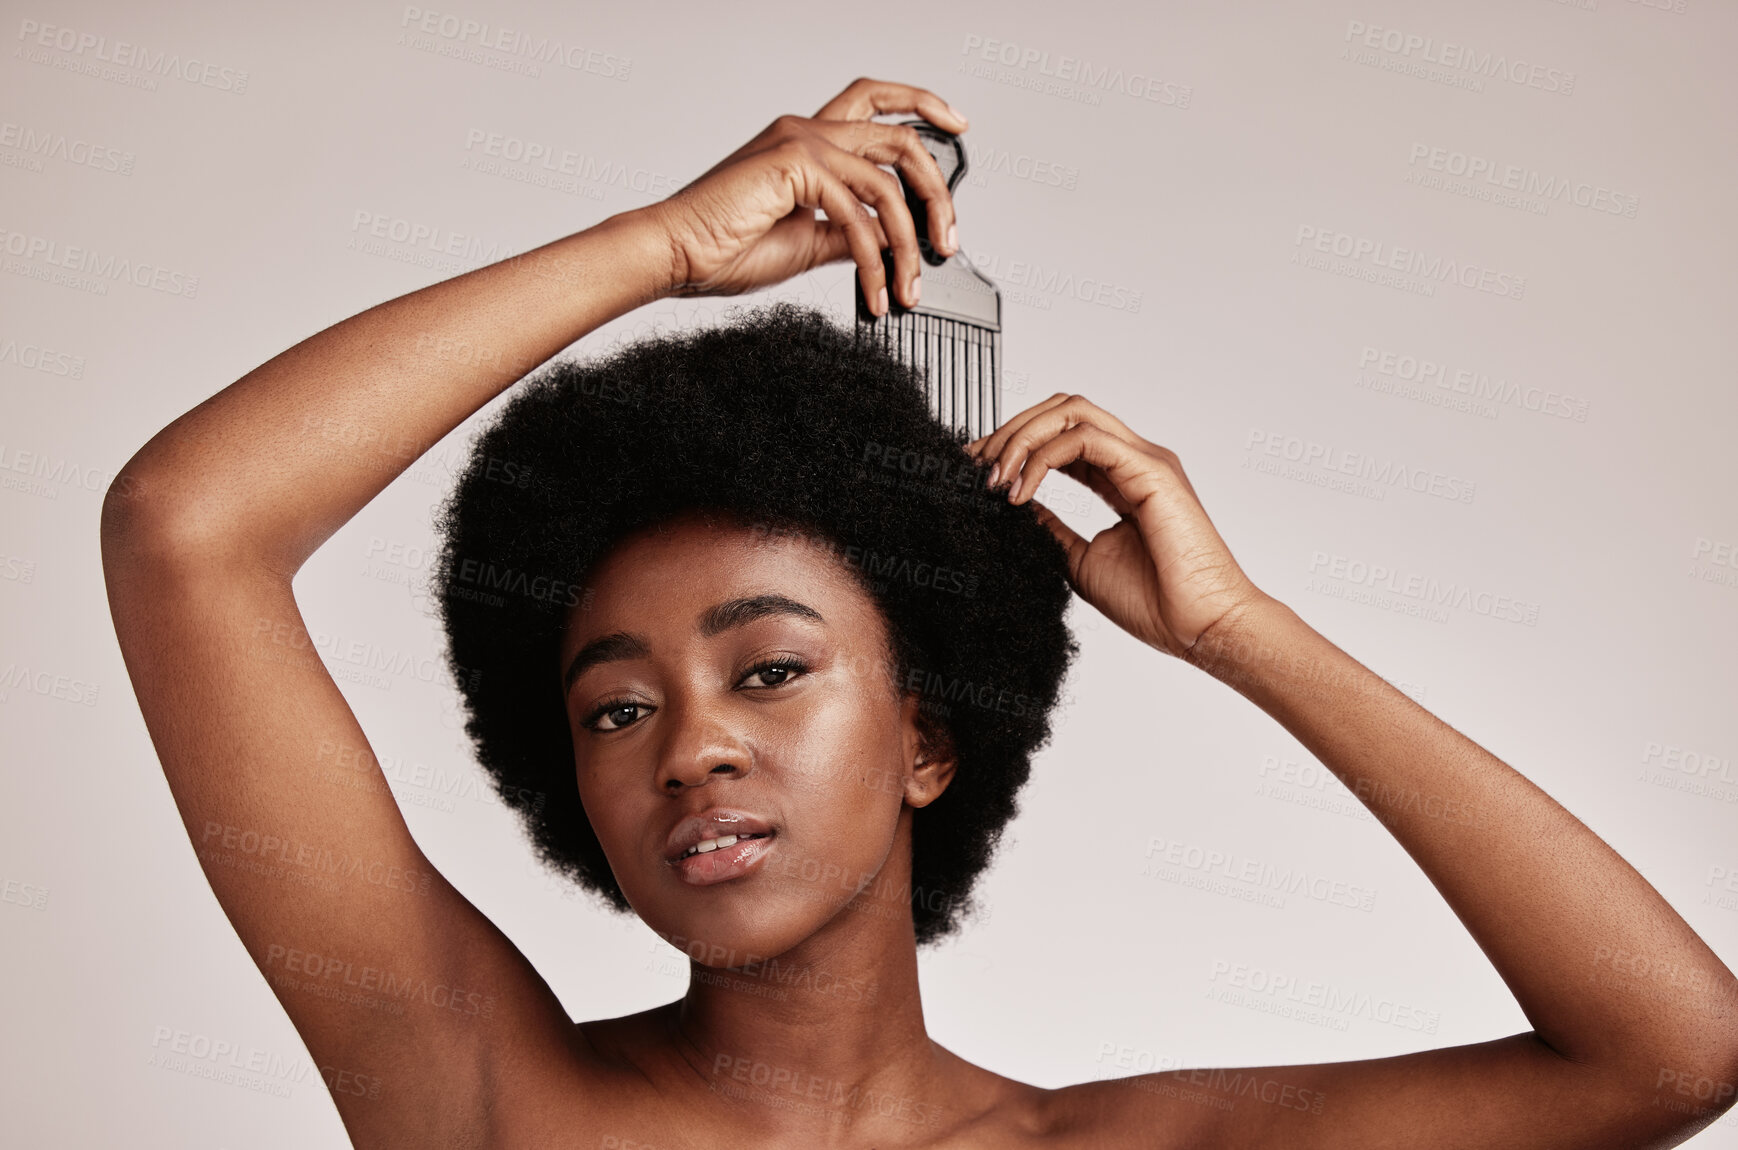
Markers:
954,346
953,338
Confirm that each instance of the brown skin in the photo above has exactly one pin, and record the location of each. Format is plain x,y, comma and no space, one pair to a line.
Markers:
831,756
205,528
834,758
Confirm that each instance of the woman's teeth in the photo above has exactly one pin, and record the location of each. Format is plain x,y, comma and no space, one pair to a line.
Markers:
717,844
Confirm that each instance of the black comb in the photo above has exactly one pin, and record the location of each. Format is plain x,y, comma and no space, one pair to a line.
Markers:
953,337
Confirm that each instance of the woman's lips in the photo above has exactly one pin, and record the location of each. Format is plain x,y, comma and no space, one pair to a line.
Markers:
740,858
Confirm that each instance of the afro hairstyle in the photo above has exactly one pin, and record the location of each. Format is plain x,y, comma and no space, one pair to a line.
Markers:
776,419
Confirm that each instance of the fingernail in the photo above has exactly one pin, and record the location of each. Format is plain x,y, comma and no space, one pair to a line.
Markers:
995,470
953,238
916,290
958,115
881,302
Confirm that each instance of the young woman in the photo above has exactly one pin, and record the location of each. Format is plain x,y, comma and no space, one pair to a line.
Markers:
716,697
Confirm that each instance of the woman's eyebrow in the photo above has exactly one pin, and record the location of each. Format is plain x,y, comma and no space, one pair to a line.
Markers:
715,620
738,612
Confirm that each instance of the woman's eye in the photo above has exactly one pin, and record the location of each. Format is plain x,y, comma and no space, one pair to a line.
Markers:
610,711
619,714
776,673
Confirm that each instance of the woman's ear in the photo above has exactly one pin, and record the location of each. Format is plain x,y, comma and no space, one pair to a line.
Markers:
932,754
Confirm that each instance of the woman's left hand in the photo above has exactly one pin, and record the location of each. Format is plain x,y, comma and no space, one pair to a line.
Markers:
1161,573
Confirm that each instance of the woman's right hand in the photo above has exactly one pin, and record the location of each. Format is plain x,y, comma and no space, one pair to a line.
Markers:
750,221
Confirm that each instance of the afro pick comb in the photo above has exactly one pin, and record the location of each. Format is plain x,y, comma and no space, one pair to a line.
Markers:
953,337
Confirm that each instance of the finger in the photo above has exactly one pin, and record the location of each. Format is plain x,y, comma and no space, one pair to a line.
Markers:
1097,482
847,213
820,240
1132,472
865,98
1117,427
1069,538
998,439
879,189
1110,422
1053,420
829,243
901,146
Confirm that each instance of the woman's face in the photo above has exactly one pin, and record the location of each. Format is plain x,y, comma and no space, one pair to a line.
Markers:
727,681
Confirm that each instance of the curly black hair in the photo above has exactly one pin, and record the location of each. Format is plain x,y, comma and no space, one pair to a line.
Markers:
776,419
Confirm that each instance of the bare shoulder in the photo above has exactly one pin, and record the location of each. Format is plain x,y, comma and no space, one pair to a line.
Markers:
588,1086
996,1111
1152,1111
1513,1091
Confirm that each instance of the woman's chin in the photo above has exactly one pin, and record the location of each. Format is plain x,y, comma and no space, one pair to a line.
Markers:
734,936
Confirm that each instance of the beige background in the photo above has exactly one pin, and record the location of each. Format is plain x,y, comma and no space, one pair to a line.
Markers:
1608,519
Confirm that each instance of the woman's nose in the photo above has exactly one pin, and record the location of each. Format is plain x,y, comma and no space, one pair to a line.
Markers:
697,750
697,774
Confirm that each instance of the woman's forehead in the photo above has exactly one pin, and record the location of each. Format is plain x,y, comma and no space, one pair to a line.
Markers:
691,565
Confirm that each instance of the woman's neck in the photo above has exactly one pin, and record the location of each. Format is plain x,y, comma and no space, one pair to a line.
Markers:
835,1024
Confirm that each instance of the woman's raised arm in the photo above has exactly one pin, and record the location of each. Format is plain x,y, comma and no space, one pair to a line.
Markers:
1635,1020
250,472
269,467
420,1013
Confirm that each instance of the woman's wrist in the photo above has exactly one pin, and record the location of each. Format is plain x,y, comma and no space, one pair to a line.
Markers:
1226,649
616,265
650,259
